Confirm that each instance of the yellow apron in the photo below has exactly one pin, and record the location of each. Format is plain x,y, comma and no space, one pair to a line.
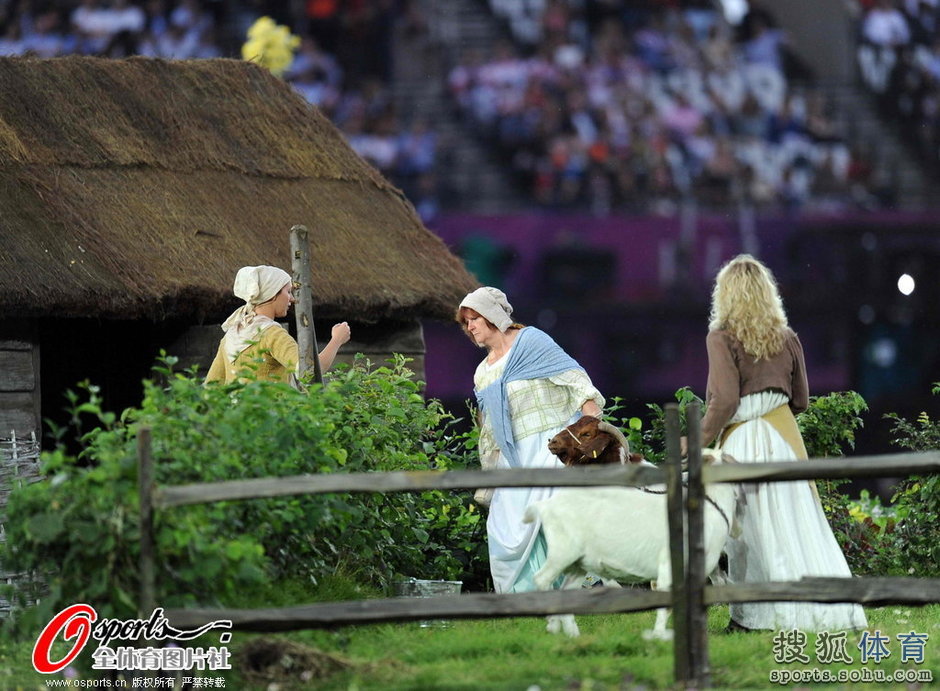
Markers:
782,420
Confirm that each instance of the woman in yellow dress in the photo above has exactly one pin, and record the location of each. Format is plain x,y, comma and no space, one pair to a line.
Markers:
254,341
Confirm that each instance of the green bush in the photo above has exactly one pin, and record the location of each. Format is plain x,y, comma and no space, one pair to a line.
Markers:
650,441
77,530
914,547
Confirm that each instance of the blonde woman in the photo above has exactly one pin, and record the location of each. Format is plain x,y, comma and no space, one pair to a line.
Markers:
254,340
527,389
756,383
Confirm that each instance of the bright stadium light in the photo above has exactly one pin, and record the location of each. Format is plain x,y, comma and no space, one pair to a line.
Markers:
906,284
734,10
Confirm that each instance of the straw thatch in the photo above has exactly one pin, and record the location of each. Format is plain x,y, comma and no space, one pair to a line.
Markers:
137,187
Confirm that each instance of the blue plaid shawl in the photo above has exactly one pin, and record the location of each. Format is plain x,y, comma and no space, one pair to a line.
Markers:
534,355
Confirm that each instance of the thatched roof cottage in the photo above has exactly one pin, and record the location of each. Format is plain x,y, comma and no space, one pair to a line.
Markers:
132,190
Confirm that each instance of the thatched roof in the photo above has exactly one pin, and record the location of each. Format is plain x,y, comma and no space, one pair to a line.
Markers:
136,188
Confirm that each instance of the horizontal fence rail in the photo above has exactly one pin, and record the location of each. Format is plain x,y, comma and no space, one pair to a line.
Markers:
869,591
405,481
465,606
876,592
887,465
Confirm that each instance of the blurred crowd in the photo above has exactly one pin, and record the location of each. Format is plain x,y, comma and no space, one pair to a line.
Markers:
157,28
343,65
640,105
595,104
899,60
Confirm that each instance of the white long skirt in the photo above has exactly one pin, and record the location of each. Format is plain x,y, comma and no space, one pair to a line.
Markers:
784,532
516,549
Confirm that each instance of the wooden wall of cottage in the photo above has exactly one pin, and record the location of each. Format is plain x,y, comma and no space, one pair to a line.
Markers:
19,379
19,420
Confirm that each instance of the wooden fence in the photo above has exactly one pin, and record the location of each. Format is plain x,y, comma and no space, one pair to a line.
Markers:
690,594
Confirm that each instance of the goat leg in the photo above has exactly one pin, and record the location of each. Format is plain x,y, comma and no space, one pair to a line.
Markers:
663,583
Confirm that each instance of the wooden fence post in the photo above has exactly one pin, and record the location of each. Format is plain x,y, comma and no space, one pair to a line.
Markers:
676,508
145,488
695,568
303,310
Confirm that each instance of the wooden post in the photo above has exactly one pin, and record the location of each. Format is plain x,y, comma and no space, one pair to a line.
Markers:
303,309
145,488
676,508
695,582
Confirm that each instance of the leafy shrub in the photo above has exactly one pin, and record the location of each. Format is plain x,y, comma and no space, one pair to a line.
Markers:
78,529
915,545
651,441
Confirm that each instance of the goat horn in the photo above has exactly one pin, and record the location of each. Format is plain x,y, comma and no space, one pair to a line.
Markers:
615,432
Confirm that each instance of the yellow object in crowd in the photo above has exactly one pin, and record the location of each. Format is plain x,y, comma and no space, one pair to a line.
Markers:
271,45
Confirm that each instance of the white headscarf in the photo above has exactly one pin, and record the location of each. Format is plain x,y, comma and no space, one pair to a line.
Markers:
492,304
255,285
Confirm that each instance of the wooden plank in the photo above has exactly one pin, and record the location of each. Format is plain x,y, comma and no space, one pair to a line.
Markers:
37,385
875,592
18,413
405,481
145,489
467,606
675,507
870,466
303,311
15,344
697,615
869,591
885,465
17,334
16,370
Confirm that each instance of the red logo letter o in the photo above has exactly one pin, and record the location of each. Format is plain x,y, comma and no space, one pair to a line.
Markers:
73,621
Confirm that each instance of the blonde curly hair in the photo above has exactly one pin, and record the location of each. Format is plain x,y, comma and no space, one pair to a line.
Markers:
746,303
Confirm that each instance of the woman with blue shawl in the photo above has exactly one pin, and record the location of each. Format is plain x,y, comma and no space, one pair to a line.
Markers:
527,389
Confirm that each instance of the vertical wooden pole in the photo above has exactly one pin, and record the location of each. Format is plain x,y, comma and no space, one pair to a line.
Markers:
695,582
145,488
301,269
676,508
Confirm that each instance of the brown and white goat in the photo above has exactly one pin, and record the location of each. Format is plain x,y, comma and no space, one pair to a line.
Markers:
622,533
590,440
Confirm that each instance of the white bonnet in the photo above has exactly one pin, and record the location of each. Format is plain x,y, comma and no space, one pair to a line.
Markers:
490,303
258,284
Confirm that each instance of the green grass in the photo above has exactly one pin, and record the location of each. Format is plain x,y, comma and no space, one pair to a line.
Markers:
518,654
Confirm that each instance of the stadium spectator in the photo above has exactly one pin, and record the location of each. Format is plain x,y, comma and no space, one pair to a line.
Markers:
885,25
658,106
899,60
